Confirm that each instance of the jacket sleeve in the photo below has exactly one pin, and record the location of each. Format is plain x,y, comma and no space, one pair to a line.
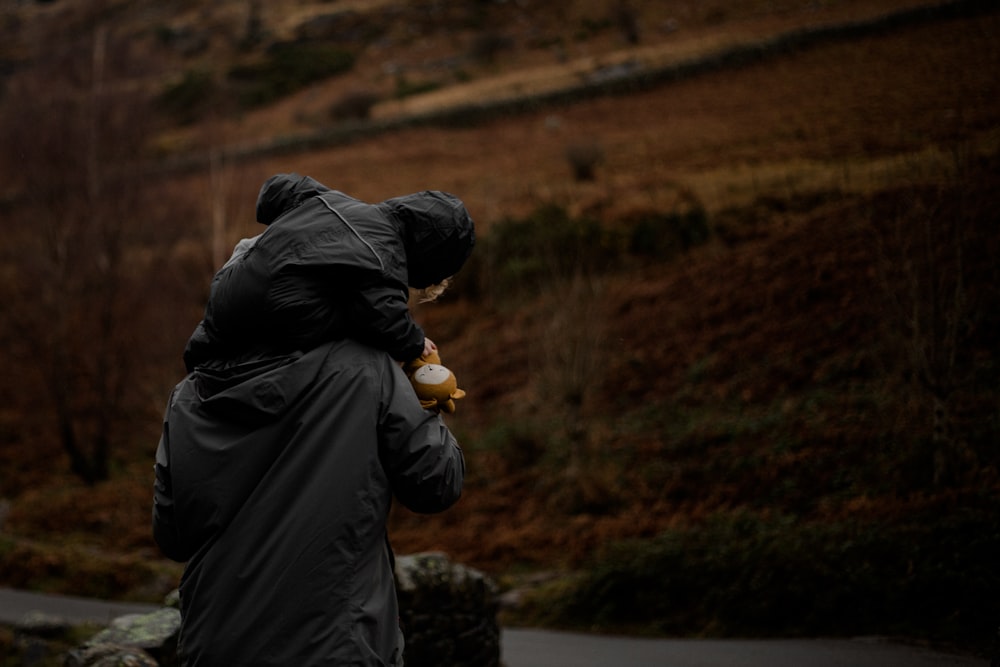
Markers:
380,317
422,459
164,526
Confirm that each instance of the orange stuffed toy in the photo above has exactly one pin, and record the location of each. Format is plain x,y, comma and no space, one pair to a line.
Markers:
436,386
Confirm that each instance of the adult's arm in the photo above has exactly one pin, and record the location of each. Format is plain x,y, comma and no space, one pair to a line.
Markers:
421,457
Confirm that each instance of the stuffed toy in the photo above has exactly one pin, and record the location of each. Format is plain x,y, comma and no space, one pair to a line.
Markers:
436,386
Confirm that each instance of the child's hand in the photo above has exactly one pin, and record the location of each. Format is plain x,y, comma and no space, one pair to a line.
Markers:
429,346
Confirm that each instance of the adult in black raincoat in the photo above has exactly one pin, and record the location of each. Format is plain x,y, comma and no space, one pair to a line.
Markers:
331,266
282,449
274,479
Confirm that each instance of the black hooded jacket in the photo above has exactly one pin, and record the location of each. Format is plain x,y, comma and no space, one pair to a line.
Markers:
330,266
274,479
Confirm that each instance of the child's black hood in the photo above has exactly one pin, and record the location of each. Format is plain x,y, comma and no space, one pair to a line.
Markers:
438,233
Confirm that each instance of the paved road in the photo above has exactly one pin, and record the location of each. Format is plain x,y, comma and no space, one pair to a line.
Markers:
15,604
537,648
540,648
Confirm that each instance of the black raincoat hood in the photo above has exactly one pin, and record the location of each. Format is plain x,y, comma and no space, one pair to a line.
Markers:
438,234
283,192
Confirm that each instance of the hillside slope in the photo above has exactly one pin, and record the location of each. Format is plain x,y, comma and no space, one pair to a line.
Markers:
772,372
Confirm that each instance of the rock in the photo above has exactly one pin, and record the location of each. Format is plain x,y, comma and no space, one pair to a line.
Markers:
173,599
43,625
448,613
132,639
109,655
36,635
32,651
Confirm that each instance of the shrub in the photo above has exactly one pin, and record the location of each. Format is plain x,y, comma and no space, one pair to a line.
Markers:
519,255
627,19
548,246
288,67
188,99
487,45
519,445
355,105
664,235
931,576
584,157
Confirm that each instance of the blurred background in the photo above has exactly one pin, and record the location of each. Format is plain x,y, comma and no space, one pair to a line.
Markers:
729,335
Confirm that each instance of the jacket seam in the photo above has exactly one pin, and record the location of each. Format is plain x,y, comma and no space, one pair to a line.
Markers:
354,231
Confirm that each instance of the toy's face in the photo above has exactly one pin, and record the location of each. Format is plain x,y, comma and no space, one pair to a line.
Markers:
432,375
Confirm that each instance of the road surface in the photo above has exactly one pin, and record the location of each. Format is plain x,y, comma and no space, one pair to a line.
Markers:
542,648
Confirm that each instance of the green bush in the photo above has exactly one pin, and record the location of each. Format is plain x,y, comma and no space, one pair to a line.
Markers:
584,157
932,576
664,235
520,445
520,256
188,99
288,67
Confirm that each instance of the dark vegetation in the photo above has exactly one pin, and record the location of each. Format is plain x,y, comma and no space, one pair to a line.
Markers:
741,574
287,68
729,336
829,489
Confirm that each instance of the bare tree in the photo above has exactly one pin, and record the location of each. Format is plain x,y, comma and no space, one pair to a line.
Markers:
924,237
74,128
569,374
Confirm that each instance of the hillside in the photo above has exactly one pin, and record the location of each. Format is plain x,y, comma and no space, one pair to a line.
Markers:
790,293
